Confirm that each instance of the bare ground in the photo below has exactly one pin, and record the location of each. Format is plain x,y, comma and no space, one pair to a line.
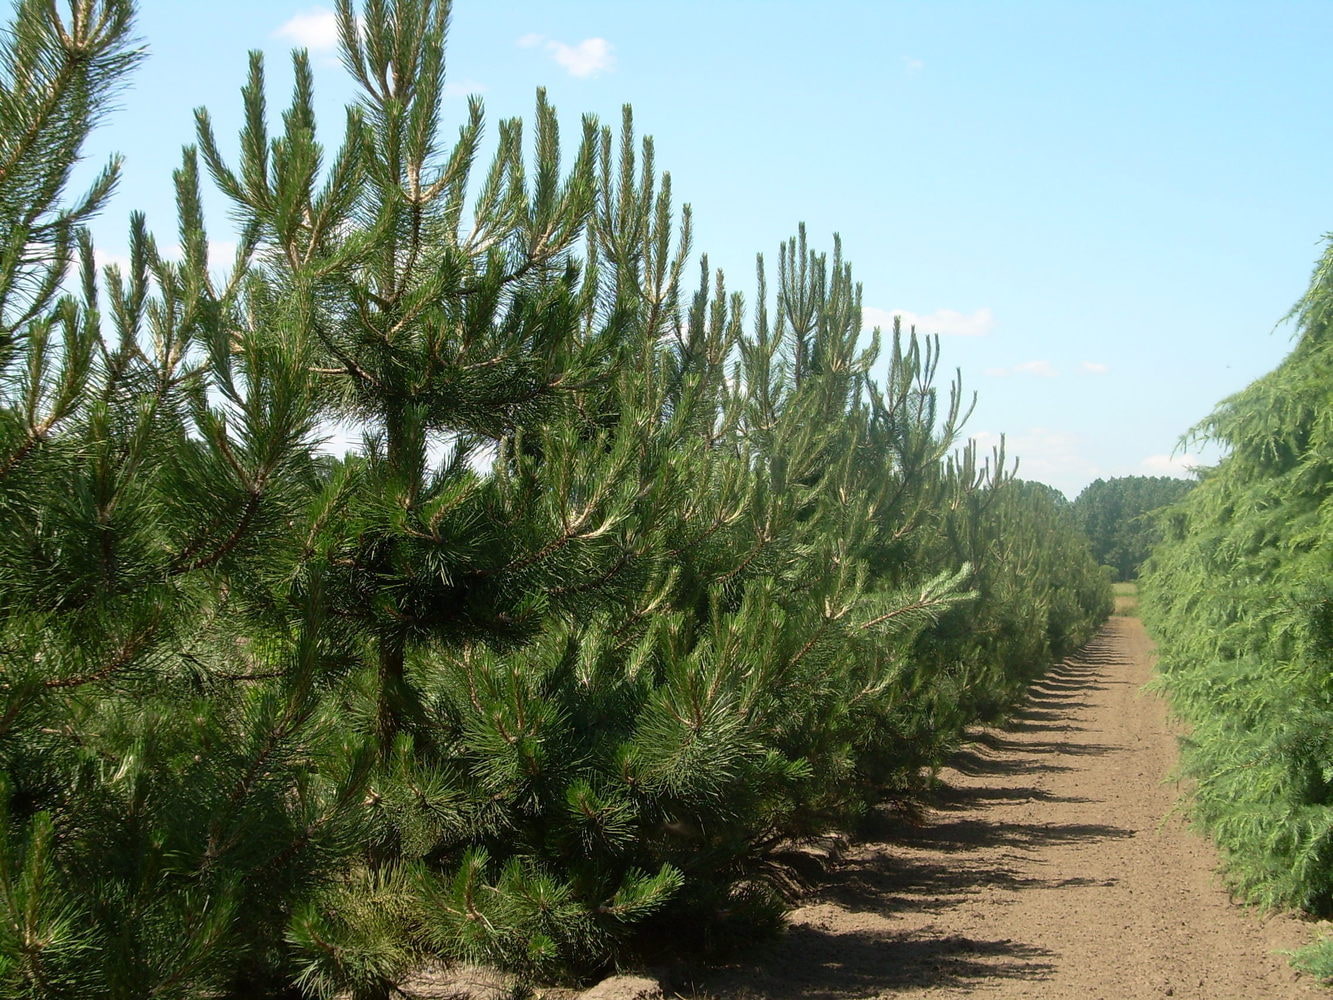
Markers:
1053,865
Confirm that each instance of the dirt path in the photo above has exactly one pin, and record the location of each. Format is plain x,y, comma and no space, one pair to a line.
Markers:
1051,867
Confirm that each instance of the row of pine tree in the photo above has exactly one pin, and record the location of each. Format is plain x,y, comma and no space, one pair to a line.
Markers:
625,588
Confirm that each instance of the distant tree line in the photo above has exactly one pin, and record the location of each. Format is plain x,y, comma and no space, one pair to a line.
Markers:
1118,516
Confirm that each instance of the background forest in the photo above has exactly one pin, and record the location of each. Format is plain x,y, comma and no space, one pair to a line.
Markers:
628,586
1119,517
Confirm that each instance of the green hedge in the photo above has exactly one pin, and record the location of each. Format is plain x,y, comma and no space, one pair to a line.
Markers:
1239,596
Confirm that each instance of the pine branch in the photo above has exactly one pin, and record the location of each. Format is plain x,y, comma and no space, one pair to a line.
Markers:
184,562
124,656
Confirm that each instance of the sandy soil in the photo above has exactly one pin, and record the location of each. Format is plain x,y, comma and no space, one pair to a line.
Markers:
1052,865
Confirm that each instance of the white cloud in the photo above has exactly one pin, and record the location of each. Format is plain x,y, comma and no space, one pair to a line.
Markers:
221,254
1094,368
315,29
913,67
464,88
221,257
988,440
1180,466
1047,456
946,322
102,259
1069,461
872,317
588,58
1042,369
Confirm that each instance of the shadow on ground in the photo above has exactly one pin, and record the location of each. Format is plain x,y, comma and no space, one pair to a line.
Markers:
810,963
843,943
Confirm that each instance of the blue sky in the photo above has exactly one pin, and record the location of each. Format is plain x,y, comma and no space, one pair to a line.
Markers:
1103,208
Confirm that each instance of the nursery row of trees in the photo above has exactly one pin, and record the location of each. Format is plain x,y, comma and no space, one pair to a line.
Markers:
1241,596
627,587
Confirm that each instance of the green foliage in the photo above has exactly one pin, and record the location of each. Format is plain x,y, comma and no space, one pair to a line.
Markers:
1316,959
1239,594
58,77
1118,516
623,590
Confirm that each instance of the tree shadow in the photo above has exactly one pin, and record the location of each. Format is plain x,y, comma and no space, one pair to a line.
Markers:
1054,702
846,941
1024,726
973,834
976,766
811,963
1073,749
887,883
1057,687
953,798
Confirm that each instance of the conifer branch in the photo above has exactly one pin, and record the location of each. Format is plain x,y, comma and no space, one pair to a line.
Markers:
123,657
36,435
183,563
595,583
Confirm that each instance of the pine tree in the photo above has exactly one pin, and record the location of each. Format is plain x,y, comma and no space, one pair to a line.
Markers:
513,477
172,773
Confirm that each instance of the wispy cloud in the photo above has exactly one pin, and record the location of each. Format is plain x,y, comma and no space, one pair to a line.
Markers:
588,58
221,254
1093,368
315,29
464,88
103,259
1180,466
221,258
946,322
913,67
1046,455
1042,369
